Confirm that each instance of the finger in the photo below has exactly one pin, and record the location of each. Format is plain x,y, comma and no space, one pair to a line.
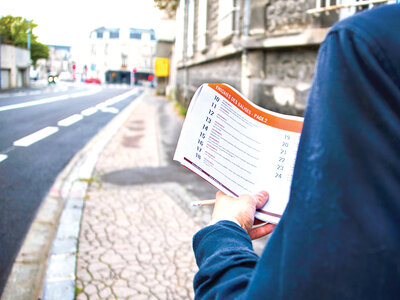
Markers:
262,198
261,231
219,195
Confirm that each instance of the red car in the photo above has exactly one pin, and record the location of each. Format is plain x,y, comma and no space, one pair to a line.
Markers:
93,80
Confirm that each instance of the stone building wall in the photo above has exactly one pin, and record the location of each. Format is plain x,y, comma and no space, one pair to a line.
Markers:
273,65
286,80
225,70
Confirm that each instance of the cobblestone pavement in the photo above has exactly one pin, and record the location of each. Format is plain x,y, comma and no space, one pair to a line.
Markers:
135,244
136,234
135,241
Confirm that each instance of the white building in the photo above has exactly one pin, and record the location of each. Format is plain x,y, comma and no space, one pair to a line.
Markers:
120,49
15,63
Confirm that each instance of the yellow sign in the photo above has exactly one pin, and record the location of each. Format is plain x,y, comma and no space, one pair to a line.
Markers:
161,67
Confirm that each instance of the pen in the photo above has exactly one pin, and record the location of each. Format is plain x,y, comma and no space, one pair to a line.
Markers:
203,202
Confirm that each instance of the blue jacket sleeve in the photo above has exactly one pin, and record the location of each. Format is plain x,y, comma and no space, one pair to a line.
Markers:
226,260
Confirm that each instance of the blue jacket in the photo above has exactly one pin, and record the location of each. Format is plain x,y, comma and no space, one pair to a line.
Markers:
339,237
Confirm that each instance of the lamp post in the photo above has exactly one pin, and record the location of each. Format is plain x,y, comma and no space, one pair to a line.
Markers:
0,61
28,43
28,46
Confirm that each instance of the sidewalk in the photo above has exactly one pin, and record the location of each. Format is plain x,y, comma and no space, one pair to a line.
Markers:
126,225
135,240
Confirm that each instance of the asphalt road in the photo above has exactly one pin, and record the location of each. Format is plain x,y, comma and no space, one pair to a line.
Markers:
40,131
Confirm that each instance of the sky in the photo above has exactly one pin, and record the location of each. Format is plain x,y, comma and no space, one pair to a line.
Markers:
69,22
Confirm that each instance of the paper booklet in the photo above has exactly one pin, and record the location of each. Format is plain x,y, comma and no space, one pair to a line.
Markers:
239,147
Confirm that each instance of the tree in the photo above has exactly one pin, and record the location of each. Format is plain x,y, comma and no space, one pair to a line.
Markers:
169,6
38,51
14,31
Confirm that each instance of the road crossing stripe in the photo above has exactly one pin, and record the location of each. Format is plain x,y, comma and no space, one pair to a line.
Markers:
3,157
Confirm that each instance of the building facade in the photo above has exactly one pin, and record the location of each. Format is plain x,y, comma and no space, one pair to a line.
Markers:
59,61
122,50
14,65
266,49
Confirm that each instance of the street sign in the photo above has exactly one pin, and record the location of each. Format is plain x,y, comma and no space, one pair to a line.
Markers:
161,67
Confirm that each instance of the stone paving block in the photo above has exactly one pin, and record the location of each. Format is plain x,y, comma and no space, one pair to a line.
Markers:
61,267
71,215
64,289
68,230
64,246
75,203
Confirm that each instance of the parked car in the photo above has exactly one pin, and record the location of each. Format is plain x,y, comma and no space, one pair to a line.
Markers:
92,80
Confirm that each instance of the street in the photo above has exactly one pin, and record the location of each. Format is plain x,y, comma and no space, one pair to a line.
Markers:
40,131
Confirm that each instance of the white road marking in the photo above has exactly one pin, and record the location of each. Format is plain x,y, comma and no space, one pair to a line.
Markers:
70,120
89,111
101,105
121,97
112,110
3,157
36,136
35,102
86,93
49,100
47,131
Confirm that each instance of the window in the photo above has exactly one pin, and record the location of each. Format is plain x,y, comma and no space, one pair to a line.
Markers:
135,35
190,29
225,18
99,34
347,7
114,34
202,25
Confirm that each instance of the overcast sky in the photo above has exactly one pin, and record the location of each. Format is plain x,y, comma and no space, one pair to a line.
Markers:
70,22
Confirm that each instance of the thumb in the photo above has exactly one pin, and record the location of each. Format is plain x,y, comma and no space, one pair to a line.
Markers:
262,198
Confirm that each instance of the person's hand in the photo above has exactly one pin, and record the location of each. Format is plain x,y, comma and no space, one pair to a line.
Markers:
242,210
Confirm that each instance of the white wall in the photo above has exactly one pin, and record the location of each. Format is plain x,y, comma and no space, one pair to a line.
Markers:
15,64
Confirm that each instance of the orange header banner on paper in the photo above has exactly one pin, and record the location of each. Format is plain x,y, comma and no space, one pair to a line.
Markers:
256,113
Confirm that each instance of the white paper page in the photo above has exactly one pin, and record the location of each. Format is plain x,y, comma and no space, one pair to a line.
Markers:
228,141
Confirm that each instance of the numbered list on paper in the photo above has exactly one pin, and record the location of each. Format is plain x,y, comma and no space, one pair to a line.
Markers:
227,141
